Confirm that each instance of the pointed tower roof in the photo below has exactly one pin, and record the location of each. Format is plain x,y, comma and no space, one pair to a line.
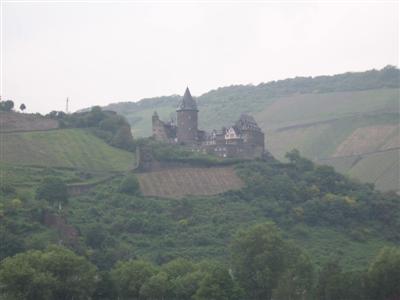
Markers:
247,122
187,102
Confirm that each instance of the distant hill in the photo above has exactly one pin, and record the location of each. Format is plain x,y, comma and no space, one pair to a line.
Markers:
347,120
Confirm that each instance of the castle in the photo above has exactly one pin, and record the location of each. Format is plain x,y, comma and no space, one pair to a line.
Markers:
244,139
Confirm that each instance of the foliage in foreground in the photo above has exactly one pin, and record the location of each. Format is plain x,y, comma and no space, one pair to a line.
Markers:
56,273
263,266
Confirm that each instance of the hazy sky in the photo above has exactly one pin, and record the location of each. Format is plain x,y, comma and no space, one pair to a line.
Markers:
98,53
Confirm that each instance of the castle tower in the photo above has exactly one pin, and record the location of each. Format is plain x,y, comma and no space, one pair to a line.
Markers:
187,130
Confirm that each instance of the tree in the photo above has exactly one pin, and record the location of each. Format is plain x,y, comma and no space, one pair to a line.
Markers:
105,287
178,267
130,185
22,278
130,276
56,273
156,287
182,280
95,116
328,286
22,107
53,190
296,282
7,105
10,243
299,162
96,236
334,284
261,258
384,275
184,287
123,138
218,284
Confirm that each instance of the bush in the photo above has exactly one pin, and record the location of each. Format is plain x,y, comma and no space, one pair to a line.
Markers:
130,185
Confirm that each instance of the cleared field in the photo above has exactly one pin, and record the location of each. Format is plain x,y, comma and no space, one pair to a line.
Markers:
176,183
71,148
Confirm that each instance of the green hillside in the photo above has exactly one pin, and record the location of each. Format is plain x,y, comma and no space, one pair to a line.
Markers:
320,116
67,148
322,211
326,215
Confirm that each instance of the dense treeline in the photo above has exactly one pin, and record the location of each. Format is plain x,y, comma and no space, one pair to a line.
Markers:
387,77
262,266
107,125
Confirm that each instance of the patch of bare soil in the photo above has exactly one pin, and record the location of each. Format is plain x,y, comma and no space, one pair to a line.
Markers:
69,235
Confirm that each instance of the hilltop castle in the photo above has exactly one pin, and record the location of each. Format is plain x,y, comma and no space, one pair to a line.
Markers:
244,139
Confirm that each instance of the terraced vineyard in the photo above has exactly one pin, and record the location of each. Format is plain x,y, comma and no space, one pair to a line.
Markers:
176,183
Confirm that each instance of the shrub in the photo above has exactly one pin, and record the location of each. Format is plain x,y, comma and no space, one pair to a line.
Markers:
130,185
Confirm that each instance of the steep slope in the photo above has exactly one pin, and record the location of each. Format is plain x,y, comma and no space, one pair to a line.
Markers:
359,135
327,118
70,148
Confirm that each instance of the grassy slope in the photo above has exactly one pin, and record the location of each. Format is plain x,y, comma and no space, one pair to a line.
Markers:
70,148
